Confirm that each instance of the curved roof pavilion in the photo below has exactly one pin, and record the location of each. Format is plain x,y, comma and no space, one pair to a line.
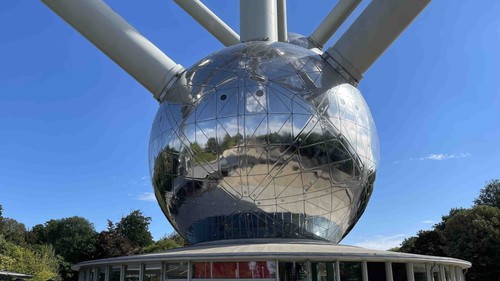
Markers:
274,259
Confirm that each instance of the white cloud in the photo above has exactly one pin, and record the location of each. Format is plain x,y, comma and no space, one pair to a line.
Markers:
146,196
146,180
379,242
443,156
438,157
255,103
428,222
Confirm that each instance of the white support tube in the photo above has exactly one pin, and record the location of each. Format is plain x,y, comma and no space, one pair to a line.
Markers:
258,20
120,41
332,22
282,22
210,21
373,32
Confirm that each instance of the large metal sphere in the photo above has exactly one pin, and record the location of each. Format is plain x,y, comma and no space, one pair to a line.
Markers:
275,143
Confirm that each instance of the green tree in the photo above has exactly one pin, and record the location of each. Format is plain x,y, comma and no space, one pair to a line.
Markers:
202,156
489,195
212,145
165,170
161,245
469,234
408,245
73,239
427,242
135,226
13,231
227,142
474,235
110,243
40,260
178,239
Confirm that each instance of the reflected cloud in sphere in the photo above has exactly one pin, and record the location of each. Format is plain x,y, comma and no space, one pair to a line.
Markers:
272,142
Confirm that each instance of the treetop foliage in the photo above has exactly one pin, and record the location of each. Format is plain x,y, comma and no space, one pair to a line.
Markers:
135,226
470,234
40,261
489,195
16,255
73,237
48,250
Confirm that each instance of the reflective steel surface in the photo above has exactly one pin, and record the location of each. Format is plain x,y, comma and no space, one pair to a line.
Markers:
273,143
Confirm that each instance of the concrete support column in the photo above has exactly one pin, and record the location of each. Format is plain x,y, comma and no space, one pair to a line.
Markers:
141,272
337,271
277,270
428,273
442,273
107,273
388,271
460,274
122,272
410,274
364,270
453,273
162,270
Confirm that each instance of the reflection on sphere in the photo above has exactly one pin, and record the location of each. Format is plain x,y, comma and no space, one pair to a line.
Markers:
273,143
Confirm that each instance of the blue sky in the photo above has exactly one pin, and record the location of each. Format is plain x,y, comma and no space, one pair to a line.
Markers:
74,127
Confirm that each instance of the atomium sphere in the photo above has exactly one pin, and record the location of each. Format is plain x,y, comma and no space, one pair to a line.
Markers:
269,141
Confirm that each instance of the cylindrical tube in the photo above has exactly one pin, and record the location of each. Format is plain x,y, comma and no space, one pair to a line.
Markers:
333,21
373,32
258,20
210,21
282,22
118,40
